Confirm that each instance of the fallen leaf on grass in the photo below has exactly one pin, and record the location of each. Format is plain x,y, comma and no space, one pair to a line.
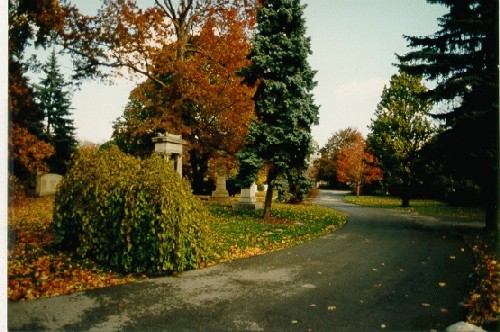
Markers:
424,304
332,308
442,284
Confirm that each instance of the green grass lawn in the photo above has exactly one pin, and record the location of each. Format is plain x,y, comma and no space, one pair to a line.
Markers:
243,233
421,206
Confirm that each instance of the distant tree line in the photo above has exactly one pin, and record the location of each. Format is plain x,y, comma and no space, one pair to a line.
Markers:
457,160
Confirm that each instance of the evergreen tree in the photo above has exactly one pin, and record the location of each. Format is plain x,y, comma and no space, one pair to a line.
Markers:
54,99
400,130
462,57
280,135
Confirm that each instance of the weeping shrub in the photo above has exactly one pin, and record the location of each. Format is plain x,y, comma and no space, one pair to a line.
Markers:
133,215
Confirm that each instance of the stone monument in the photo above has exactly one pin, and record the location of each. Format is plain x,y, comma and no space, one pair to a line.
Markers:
171,146
220,193
46,183
247,199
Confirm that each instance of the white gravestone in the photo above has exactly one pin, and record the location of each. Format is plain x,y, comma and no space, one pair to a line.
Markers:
247,199
46,184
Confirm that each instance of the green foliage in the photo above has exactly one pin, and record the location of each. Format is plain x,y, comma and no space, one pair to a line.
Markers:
136,216
462,58
55,102
280,136
400,130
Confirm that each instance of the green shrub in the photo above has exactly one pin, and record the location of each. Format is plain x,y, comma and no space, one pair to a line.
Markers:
135,216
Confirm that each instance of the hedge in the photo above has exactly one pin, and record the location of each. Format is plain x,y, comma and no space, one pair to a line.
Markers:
133,215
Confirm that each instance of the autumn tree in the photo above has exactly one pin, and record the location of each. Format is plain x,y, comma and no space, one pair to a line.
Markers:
199,95
400,129
462,58
30,24
280,135
54,99
188,51
326,164
27,151
357,166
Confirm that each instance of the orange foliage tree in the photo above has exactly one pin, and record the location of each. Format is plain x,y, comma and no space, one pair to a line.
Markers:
27,150
190,55
30,24
357,166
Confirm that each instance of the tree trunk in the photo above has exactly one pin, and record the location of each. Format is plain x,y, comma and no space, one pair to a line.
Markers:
268,201
199,167
491,199
358,189
271,176
406,192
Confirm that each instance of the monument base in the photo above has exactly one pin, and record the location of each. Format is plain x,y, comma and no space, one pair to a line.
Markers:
248,205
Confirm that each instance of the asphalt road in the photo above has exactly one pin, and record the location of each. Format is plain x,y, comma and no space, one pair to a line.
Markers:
383,271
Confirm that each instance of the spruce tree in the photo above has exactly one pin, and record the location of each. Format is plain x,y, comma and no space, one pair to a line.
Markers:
280,135
462,57
54,99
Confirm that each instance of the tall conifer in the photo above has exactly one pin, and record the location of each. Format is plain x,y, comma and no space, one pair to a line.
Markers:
462,57
280,136
55,100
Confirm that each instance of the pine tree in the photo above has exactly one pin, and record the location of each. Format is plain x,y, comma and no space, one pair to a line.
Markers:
55,100
462,57
280,135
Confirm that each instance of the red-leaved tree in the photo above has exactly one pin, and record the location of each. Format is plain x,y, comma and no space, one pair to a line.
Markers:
357,166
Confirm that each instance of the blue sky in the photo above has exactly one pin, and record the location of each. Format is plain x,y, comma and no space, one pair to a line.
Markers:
353,42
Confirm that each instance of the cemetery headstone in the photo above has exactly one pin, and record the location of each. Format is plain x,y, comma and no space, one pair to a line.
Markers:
247,200
46,184
220,193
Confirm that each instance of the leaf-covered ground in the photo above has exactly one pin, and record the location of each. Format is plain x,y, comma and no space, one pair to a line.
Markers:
36,269
243,233
484,303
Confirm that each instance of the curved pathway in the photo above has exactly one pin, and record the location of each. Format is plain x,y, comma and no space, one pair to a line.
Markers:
383,270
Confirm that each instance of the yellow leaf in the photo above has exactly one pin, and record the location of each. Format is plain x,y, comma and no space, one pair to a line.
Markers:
425,304
332,308
442,284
